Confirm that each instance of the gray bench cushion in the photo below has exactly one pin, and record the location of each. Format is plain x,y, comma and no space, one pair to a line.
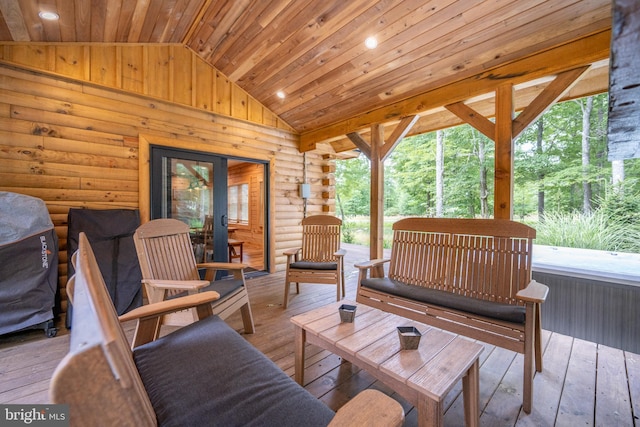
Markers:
494,310
311,265
206,374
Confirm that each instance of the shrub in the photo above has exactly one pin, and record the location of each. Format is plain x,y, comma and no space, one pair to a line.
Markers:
595,231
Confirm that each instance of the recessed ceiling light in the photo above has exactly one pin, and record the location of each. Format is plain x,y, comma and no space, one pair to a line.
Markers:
280,94
371,42
49,16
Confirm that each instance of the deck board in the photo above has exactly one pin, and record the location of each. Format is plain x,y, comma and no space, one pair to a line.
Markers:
583,383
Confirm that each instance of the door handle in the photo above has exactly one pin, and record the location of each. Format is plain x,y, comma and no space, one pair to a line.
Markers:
224,221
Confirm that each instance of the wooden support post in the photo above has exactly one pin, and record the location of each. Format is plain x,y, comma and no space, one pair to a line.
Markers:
503,183
376,231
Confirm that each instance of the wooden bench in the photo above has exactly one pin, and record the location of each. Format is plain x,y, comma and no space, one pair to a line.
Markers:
202,374
468,276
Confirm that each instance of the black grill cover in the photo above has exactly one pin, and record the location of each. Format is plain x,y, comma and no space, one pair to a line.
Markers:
110,232
28,262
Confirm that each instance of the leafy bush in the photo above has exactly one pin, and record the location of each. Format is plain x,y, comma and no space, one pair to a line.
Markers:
348,235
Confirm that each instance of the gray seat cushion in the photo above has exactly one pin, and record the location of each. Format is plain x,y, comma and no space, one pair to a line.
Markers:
206,374
311,265
224,287
494,310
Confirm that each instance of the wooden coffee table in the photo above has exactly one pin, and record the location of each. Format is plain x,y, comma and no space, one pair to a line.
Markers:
423,376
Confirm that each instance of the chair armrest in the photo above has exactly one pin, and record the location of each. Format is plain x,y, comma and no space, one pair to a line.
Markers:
369,408
170,306
340,252
534,292
176,284
222,265
371,264
149,317
291,251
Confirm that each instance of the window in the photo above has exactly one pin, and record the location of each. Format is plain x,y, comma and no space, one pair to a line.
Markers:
239,204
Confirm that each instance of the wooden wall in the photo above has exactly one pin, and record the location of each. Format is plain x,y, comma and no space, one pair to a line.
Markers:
169,72
75,143
253,175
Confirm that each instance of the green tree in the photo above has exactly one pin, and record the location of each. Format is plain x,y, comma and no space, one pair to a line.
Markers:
352,186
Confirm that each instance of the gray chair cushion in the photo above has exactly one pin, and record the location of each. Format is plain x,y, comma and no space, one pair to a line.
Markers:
206,374
311,265
224,287
494,310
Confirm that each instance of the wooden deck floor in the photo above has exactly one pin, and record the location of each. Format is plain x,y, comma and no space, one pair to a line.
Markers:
583,383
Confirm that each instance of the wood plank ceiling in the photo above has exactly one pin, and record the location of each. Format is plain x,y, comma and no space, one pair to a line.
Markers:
313,50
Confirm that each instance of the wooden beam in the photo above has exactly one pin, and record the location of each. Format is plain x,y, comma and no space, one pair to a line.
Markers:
376,232
553,61
503,182
360,143
472,117
554,91
399,132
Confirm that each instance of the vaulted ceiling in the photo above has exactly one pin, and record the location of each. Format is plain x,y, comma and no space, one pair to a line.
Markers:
314,52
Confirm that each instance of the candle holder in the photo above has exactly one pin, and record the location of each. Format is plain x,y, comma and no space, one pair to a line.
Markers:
409,337
347,313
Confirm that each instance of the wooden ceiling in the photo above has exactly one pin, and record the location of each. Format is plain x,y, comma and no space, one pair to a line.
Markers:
313,50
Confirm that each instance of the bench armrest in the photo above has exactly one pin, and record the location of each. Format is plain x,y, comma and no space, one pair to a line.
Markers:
369,408
176,284
534,292
371,264
373,268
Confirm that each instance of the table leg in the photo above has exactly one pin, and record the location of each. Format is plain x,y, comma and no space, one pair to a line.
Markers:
300,340
429,412
471,395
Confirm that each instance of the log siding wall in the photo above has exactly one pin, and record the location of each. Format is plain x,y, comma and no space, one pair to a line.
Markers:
75,143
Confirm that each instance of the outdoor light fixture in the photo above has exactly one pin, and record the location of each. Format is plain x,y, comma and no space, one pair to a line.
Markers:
49,16
280,94
371,42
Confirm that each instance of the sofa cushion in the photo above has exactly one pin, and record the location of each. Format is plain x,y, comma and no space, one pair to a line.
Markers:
207,374
494,310
311,265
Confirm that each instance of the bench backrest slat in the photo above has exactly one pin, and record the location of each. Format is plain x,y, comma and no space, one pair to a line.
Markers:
484,259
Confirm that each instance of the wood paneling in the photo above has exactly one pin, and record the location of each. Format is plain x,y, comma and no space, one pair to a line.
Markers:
251,174
314,51
76,144
167,72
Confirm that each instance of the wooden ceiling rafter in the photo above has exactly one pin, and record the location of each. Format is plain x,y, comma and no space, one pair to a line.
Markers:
579,53
387,146
554,91
430,53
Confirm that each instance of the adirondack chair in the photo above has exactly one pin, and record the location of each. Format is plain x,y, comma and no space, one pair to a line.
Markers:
169,268
320,259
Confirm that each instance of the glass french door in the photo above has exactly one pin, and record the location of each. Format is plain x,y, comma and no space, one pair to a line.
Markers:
192,187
